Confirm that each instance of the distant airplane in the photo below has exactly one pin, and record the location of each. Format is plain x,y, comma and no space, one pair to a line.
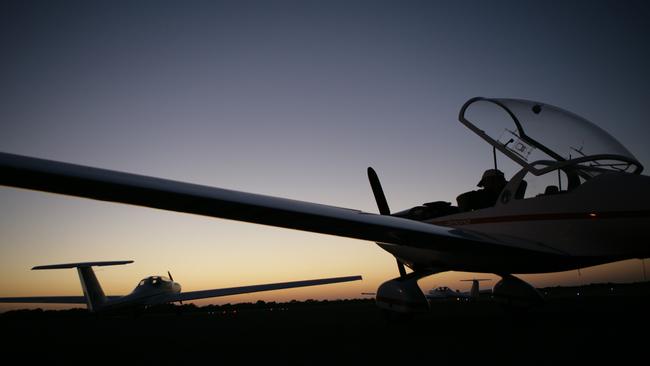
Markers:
445,293
595,210
476,292
152,290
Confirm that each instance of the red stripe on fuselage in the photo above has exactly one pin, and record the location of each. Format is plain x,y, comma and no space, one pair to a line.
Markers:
595,215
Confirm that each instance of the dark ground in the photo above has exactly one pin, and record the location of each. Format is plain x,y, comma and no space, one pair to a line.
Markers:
606,324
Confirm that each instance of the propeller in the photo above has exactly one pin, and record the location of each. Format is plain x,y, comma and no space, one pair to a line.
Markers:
382,204
172,278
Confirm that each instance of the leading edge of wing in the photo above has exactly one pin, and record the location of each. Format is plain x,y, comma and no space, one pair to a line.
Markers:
195,295
107,185
50,299
45,300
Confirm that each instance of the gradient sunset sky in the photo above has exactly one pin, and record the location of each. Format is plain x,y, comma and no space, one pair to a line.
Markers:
292,99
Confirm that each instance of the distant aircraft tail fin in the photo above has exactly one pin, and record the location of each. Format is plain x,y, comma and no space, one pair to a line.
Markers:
92,289
93,292
475,292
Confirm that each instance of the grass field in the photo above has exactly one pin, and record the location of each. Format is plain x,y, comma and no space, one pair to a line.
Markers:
600,325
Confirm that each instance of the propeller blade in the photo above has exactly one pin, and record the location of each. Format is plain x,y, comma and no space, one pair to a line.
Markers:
401,268
172,278
380,198
382,204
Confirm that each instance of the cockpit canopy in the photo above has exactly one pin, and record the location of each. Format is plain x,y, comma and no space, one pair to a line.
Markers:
541,137
154,281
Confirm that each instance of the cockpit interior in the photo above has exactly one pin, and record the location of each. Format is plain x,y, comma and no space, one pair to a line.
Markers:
556,149
154,281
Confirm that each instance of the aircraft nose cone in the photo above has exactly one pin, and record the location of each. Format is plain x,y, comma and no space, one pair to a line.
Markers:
177,287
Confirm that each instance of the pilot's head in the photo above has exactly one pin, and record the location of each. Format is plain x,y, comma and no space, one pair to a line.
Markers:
492,179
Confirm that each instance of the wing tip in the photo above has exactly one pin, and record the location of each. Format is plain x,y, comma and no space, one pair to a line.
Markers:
82,264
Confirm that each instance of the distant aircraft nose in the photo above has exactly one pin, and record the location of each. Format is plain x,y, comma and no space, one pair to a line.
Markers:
177,287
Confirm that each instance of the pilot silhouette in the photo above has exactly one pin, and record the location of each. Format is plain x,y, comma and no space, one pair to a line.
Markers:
492,183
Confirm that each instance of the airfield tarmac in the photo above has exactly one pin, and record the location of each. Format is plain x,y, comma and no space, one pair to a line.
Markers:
608,324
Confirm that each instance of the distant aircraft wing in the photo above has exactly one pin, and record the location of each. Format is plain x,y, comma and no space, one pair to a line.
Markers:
49,299
194,295
106,185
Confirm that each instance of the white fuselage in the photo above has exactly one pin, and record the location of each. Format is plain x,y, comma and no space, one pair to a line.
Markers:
146,293
603,220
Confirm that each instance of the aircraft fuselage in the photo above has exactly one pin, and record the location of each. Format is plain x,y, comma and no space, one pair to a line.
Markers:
603,220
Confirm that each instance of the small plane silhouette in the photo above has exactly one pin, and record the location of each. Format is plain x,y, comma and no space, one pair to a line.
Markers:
152,290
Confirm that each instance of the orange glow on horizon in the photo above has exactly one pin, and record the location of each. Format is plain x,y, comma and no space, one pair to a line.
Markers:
205,253
68,284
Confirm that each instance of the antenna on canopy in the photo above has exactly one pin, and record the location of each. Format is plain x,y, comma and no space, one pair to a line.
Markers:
494,154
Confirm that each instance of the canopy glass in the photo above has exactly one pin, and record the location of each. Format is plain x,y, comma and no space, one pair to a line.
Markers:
542,137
